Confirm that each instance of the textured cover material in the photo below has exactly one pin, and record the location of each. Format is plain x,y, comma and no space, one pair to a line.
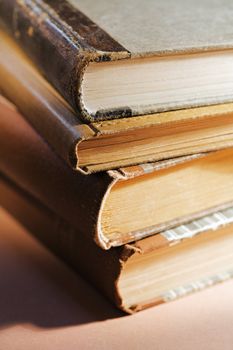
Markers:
58,124
57,31
102,268
155,26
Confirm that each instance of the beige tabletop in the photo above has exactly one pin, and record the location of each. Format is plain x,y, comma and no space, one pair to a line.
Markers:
44,305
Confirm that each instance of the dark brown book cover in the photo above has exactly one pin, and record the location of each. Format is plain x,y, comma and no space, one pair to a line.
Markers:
64,36
61,40
114,143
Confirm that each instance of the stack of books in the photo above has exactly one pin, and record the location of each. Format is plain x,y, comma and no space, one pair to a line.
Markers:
116,140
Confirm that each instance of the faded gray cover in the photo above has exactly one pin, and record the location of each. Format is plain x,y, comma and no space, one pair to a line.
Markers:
153,26
63,36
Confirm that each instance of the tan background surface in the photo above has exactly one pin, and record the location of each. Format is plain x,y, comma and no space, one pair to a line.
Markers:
44,305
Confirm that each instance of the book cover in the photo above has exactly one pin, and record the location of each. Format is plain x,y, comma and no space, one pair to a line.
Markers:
108,144
104,268
65,37
112,207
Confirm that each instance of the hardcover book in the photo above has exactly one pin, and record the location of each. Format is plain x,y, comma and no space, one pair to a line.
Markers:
113,59
108,144
118,206
152,271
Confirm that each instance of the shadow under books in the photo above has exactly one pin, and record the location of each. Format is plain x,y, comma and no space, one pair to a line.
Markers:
37,288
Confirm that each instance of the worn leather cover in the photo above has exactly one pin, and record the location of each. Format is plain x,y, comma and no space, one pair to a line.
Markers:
62,40
58,124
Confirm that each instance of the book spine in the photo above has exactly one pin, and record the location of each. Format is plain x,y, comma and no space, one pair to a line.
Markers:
49,114
27,160
61,41
101,268
53,50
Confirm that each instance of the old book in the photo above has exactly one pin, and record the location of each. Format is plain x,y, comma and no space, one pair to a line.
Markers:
109,144
155,270
118,206
117,59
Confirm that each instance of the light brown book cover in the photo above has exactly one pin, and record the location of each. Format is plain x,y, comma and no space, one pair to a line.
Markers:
106,269
117,206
